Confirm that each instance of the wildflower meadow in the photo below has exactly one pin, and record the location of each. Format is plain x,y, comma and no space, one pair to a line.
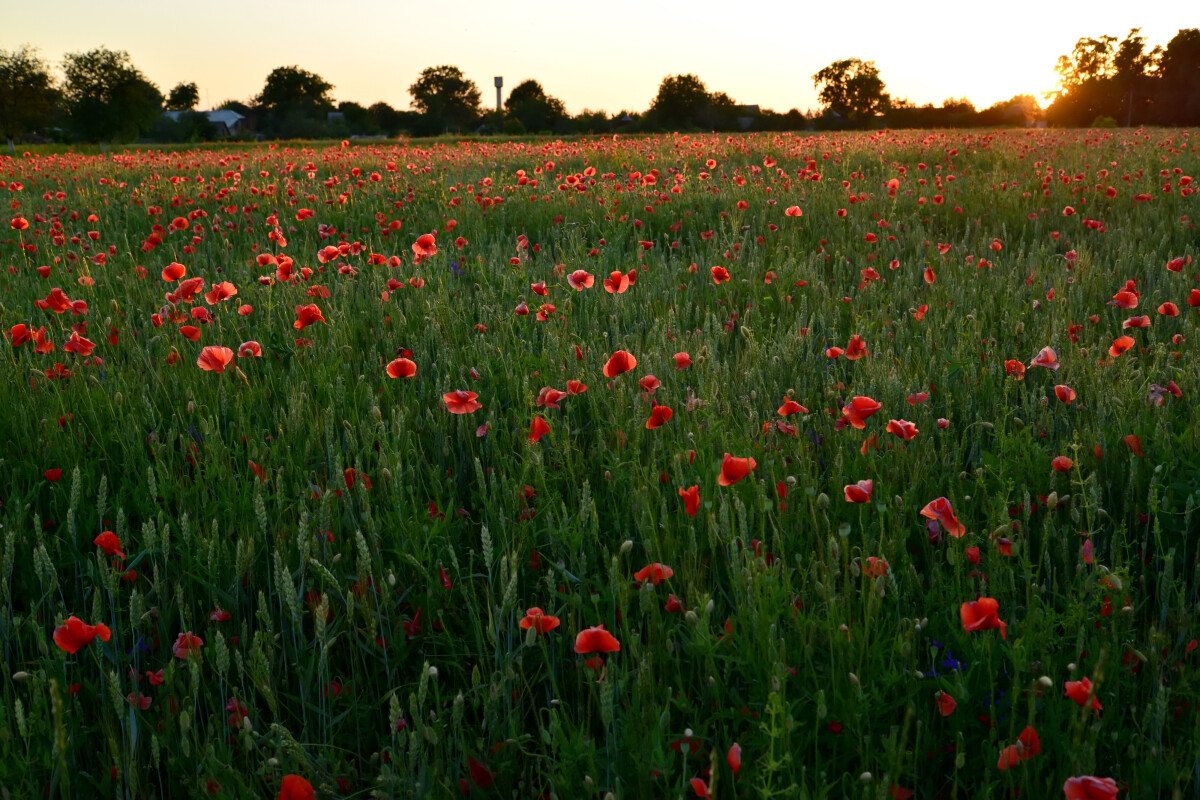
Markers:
855,465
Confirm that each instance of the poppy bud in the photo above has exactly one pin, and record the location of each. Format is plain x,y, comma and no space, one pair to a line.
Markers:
691,617
626,546
191,406
823,501
386,474
865,777
608,475
118,398
18,677
376,414
1046,681
1018,422
1052,501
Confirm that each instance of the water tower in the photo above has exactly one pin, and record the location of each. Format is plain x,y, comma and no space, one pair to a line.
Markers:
499,80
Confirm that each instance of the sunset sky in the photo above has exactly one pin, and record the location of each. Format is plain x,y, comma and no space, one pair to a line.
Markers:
611,56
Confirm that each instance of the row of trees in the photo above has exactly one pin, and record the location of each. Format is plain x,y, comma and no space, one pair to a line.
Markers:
104,97
1121,82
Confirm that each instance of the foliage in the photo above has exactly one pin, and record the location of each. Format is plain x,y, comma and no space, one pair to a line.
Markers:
853,90
108,97
529,104
28,95
183,97
446,99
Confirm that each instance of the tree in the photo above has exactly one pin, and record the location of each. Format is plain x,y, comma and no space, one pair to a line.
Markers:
853,90
28,96
107,97
536,110
680,102
1104,78
184,97
446,99
1179,73
290,89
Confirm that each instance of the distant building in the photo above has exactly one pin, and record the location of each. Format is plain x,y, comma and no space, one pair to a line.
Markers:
227,122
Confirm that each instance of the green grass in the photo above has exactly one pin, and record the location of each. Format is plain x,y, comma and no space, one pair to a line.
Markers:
362,668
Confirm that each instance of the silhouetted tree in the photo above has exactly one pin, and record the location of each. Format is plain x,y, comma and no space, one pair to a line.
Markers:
1178,98
184,97
680,102
108,98
853,90
28,96
291,89
536,110
445,99
1106,79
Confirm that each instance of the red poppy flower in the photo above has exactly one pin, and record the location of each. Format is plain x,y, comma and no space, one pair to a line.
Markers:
1169,310
859,409
78,344
74,633
859,492
682,360
109,543
719,274
1134,443
1087,787
981,615
538,428
1081,693
425,246
401,368
1062,464
1064,393
658,417
792,211
790,407
480,774
655,573
576,387
19,334
1121,344
917,398
190,332
580,279
548,397
1014,368
1125,299
596,640
617,283
542,623
538,288
186,644
734,469
691,500
834,352
941,510
855,349
929,276
1046,358
461,402
618,363
700,788
173,271
946,704
734,757
1136,322
307,315
293,787
214,359
220,291
902,428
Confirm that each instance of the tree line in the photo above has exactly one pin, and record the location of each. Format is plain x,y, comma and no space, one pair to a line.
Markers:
102,96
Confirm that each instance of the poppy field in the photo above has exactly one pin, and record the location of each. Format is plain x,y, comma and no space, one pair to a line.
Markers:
770,466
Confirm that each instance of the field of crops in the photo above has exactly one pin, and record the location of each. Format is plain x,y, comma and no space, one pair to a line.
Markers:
813,466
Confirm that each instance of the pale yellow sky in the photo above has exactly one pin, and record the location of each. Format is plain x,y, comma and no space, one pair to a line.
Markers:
608,56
